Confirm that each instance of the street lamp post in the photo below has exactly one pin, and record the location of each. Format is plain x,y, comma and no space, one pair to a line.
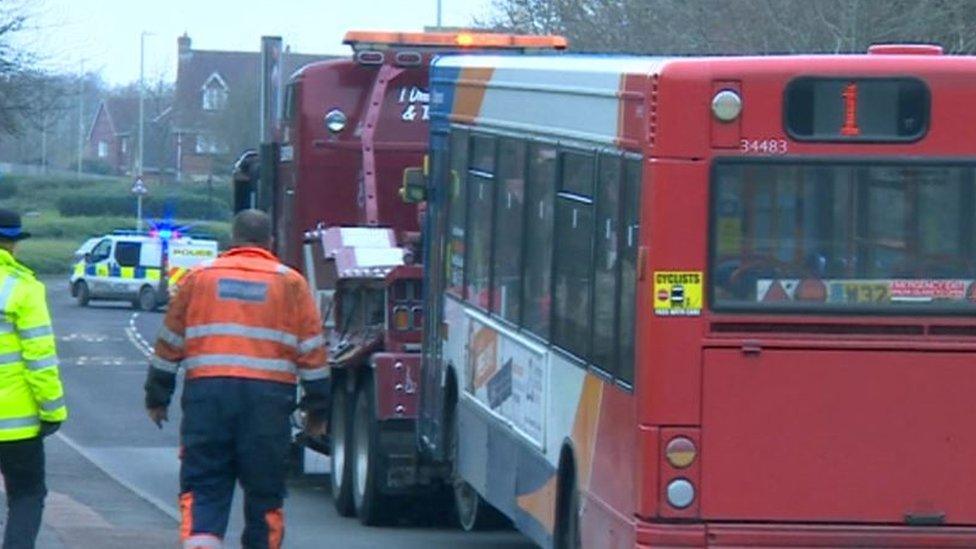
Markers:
438,14
142,98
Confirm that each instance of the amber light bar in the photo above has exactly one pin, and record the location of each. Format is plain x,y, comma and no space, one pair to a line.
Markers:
455,39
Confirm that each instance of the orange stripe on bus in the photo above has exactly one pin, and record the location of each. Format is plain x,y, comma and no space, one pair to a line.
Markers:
541,504
584,427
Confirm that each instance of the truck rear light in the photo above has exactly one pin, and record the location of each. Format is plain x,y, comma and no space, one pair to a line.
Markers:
418,318
408,58
680,452
369,57
401,318
681,493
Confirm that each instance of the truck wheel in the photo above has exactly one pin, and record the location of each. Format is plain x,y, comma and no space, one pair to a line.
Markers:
368,467
470,509
147,299
341,454
82,294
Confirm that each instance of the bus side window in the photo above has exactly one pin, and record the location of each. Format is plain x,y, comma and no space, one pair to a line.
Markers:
573,273
607,244
629,225
507,263
477,259
536,299
457,210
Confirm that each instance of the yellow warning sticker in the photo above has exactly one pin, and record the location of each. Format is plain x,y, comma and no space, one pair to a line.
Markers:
678,293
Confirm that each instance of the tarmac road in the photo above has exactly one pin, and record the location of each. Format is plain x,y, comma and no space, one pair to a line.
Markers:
113,475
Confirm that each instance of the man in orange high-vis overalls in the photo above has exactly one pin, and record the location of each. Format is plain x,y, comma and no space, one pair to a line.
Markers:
245,328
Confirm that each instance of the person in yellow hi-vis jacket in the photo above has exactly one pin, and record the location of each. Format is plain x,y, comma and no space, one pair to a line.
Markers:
31,396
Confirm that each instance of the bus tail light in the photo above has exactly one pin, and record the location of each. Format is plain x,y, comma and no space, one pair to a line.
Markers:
681,493
680,472
680,452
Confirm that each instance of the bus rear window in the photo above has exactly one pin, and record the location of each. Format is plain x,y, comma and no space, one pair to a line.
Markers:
866,237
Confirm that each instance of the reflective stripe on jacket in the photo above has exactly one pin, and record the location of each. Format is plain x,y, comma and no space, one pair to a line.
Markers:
243,315
30,383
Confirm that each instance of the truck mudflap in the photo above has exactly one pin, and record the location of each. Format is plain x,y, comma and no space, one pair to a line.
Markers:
397,378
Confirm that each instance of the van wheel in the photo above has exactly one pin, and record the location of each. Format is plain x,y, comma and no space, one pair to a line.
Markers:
82,294
147,299
341,454
470,509
368,466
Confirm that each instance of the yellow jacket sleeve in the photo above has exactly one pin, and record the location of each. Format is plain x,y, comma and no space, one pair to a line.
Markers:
33,324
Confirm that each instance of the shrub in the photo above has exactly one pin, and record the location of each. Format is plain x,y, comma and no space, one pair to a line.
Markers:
83,203
47,256
97,166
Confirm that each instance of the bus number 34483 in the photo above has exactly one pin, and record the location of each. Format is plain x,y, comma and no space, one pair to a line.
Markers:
763,146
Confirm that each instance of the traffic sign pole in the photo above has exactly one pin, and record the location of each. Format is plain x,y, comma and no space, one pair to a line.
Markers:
139,189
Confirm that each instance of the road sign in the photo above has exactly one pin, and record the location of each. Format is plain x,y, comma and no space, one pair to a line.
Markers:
139,187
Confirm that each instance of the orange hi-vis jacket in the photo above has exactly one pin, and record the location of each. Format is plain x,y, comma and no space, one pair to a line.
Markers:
242,315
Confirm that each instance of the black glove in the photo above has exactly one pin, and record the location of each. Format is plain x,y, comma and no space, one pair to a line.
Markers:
49,428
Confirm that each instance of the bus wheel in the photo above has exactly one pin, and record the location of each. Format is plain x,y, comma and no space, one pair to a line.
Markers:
567,514
368,468
470,509
340,456
147,299
82,294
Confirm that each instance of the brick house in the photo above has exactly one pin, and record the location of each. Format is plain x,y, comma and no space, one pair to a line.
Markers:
216,108
114,134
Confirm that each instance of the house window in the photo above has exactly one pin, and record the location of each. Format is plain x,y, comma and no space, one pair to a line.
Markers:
214,93
102,149
208,144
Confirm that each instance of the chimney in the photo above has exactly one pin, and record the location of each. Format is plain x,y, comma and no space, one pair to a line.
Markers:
184,44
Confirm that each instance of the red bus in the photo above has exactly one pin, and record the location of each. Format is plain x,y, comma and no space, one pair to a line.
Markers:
705,301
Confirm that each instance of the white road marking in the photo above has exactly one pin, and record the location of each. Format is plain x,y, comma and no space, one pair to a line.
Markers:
169,509
136,338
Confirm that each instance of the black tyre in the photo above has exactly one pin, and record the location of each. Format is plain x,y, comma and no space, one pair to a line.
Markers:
367,464
567,515
470,509
147,299
82,294
341,454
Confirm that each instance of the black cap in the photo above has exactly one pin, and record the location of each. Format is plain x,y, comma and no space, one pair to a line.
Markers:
10,228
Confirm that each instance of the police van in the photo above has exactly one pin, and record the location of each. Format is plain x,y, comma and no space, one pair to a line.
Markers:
127,266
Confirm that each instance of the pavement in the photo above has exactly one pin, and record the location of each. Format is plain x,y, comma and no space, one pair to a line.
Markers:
113,476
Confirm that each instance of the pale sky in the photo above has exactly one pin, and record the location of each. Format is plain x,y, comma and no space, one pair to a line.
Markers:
104,34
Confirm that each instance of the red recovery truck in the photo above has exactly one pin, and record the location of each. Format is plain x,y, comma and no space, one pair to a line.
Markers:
350,129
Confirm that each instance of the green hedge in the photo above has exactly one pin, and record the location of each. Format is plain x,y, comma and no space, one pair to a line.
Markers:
47,256
187,206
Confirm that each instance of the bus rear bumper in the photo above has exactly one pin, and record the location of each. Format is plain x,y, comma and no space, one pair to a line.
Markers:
795,535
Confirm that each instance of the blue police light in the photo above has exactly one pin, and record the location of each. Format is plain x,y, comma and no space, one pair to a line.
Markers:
165,230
